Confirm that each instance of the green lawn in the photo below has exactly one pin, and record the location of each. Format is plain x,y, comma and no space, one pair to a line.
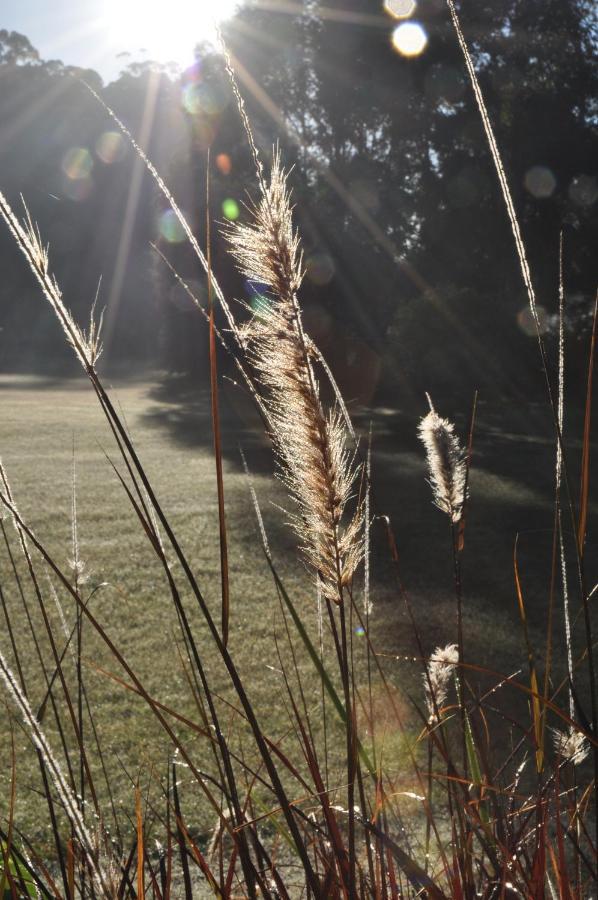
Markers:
41,421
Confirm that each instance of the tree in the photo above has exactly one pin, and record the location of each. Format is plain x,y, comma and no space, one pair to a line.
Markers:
409,258
397,184
16,49
92,200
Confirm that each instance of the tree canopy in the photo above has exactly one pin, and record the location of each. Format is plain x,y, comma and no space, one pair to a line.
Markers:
411,278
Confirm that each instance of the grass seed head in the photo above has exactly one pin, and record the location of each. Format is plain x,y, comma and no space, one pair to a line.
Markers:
436,680
446,464
570,745
310,443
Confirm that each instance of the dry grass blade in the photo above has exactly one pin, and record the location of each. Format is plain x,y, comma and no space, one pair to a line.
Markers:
492,835
526,275
140,845
536,704
67,798
70,868
585,459
224,580
500,170
6,882
558,478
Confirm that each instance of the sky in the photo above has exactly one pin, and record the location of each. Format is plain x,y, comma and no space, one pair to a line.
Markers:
92,33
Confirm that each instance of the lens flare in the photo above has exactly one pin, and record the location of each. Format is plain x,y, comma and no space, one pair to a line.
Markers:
110,147
170,228
527,323
224,163
78,189
230,209
320,268
77,163
260,305
409,39
400,9
206,99
540,182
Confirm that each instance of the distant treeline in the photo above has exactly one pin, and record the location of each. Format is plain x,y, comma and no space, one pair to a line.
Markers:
411,279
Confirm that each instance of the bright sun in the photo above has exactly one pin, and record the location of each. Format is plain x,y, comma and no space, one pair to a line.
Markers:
167,30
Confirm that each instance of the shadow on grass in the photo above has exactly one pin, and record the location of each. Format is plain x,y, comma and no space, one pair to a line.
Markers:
512,482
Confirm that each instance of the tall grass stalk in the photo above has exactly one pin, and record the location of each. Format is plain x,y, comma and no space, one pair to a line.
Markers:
286,818
527,279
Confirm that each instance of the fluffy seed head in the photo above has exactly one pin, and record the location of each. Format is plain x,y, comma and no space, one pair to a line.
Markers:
86,344
436,680
267,250
446,463
570,745
310,443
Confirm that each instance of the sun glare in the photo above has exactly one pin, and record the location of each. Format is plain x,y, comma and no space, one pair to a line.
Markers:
165,30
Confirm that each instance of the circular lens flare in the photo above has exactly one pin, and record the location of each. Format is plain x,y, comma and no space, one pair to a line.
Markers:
78,189
205,99
409,39
540,181
224,163
170,228
231,210
110,147
400,9
320,268
528,323
77,163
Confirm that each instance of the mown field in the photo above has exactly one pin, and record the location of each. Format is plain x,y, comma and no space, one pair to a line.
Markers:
45,424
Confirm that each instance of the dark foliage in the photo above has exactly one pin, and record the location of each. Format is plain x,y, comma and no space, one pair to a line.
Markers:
395,192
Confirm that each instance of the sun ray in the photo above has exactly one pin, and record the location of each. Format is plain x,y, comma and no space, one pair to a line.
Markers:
126,234
251,87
